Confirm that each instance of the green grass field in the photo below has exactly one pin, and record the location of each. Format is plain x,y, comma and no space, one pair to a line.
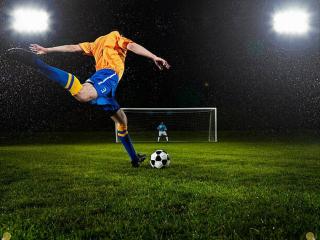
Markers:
239,188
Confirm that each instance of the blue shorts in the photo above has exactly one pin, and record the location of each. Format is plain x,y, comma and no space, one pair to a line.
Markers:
105,81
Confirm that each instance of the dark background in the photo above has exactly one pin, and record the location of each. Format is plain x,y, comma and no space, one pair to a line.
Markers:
223,54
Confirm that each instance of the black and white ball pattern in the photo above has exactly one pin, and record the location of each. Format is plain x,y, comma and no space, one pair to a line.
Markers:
160,159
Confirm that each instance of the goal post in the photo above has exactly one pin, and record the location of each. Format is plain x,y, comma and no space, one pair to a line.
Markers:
183,124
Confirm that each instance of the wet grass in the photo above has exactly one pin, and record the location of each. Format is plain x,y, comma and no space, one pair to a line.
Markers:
256,189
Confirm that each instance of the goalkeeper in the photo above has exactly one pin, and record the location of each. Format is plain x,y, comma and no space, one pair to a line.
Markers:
162,131
109,52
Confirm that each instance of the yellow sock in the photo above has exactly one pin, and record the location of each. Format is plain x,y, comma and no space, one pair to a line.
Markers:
73,85
122,130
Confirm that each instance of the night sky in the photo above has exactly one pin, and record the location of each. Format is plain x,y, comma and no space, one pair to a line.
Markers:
223,54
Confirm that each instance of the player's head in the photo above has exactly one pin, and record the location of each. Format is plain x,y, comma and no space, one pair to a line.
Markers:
161,123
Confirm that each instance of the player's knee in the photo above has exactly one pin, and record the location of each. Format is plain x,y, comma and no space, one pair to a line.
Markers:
83,97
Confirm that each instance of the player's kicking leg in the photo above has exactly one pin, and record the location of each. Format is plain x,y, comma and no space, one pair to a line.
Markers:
121,121
82,92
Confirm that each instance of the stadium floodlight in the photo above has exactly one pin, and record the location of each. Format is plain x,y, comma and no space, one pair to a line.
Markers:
28,20
292,21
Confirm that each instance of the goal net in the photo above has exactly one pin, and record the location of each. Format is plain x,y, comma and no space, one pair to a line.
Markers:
181,124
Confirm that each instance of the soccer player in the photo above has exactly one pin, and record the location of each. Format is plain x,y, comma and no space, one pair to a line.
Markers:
109,52
162,131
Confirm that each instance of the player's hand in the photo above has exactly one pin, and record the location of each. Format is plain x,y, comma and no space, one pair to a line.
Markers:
161,63
37,49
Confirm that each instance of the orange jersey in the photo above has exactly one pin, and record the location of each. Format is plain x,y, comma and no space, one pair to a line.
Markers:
109,51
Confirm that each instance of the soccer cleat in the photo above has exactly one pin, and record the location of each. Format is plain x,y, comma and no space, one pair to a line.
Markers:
141,158
22,55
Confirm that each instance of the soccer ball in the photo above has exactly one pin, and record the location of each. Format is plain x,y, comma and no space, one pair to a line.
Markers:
160,159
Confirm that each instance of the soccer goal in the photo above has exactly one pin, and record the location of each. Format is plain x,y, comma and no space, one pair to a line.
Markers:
182,124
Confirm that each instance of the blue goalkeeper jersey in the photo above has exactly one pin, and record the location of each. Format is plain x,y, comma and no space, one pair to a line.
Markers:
162,127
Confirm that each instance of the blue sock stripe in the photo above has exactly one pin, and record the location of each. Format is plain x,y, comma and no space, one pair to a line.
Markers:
122,132
121,135
72,80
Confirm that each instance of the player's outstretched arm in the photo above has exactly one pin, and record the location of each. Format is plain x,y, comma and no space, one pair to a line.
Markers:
138,49
65,48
